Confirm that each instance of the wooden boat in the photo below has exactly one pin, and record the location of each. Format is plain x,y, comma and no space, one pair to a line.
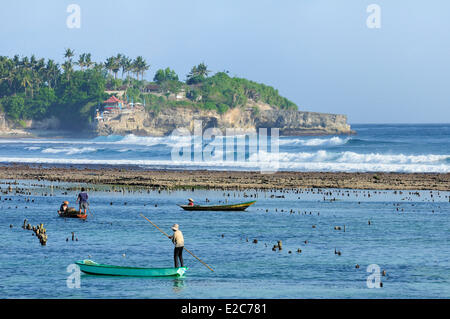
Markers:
72,214
90,267
231,207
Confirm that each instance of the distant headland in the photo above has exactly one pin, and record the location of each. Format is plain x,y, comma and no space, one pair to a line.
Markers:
82,97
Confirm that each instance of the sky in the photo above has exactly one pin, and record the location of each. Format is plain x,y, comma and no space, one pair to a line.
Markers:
319,54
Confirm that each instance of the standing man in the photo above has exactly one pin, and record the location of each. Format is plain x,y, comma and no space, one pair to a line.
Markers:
83,200
178,240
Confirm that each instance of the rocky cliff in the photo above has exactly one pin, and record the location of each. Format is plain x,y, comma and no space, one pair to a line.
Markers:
31,128
251,118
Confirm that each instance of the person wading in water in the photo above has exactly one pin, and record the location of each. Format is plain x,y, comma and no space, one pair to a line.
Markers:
83,199
178,240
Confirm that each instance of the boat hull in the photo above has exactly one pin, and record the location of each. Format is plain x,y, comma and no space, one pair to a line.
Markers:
233,207
79,216
93,268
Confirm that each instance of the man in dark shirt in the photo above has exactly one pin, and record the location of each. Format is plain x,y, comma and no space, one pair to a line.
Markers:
83,200
64,206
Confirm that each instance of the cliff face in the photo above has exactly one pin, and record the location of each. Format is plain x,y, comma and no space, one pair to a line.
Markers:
164,122
304,123
30,128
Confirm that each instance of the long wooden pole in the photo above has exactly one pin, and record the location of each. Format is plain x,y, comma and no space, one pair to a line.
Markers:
183,247
90,212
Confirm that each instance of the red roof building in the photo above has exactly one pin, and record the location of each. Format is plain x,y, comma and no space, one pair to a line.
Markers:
113,103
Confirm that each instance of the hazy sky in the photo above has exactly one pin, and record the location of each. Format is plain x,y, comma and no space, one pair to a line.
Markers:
319,54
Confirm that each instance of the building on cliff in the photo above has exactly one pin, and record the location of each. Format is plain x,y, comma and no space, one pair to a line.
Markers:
113,104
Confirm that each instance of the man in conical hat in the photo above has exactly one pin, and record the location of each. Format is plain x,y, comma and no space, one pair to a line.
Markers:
178,240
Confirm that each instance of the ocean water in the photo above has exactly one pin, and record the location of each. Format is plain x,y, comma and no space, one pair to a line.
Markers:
383,147
408,237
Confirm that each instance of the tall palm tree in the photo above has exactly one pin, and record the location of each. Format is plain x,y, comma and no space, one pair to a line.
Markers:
67,67
26,82
37,71
88,61
116,65
140,66
33,62
7,71
109,64
81,61
69,54
112,65
125,64
51,73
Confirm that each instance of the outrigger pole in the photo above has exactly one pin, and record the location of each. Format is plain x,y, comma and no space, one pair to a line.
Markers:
183,247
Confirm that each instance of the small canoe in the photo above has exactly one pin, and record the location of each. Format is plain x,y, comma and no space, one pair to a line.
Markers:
231,207
90,267
72,214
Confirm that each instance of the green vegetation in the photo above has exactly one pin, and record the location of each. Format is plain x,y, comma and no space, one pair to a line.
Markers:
227,92
32,88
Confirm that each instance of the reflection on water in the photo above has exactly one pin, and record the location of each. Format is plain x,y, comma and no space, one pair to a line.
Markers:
178,285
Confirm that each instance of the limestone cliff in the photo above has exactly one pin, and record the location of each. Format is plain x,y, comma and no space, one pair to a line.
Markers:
250,118
30,128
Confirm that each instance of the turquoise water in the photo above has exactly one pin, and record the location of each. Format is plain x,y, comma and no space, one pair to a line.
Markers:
411,244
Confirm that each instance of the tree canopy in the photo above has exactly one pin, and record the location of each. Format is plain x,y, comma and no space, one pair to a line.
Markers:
32,88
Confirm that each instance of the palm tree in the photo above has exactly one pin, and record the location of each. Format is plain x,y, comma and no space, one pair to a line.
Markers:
109,65
140,66
67,67
81,61
33,62
198,73
51,73
116,65
25,63
38,71
88,62
8,71
26,82
125,64
202,70
69,54
11,70
112,65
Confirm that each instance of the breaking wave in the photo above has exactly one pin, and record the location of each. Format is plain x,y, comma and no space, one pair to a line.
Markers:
304,161
69,150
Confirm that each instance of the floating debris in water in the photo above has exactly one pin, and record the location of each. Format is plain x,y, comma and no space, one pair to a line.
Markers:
280,245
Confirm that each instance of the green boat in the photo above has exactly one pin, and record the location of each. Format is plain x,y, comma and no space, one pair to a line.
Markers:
93,268
231,207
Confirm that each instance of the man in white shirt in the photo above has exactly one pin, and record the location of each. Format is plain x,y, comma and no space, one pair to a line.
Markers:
178,240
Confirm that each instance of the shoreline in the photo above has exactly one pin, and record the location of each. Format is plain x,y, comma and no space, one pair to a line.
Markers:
229,180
